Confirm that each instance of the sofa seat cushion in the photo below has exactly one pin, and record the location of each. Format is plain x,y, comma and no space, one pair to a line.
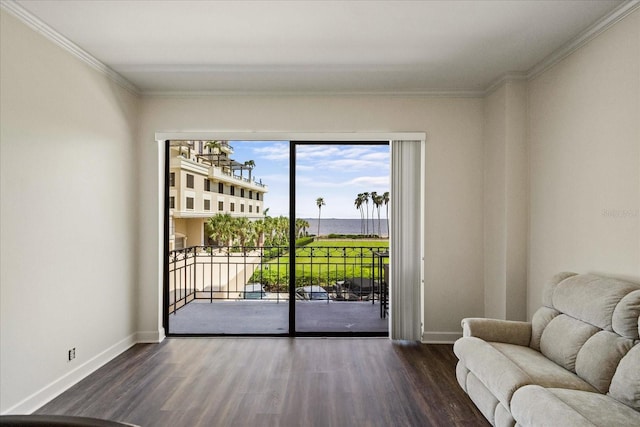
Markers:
504,368
533,405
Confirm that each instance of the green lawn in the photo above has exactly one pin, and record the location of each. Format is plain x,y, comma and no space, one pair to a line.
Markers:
324,262
351,243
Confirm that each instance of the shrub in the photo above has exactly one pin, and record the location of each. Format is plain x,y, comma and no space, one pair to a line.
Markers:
352,236
303,241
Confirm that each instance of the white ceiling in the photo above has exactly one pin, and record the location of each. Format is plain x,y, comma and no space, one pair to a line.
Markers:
318,46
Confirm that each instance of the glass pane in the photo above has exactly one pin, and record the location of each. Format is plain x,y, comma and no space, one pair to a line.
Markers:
228,268
342,196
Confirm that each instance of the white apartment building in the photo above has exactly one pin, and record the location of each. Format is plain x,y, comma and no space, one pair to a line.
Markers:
203,181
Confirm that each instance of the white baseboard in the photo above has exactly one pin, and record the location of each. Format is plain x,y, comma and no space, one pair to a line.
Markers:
440,337
150,337
55,388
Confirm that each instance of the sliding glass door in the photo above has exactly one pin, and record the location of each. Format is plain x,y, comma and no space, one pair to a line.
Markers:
340,201
277,238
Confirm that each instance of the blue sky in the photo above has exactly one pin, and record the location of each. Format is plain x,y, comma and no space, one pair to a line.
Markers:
335,172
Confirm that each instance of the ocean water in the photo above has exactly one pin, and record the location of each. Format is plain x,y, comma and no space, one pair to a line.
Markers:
345,226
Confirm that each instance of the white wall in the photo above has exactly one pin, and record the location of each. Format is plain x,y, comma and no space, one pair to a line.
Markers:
453,217
495,245
68,218
505,202
584,141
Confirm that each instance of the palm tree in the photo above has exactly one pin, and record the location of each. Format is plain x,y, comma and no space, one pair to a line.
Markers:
282,230
358,203
220,227
385,199
377,201
268,227
213,145
320,202
301,226
242,229
298,227
259,229
213,229
374,194
365,198
250,164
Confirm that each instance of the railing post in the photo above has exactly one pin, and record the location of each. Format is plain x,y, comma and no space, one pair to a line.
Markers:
228,270
373,276
184,284
210,274
175,279
328,271
195,272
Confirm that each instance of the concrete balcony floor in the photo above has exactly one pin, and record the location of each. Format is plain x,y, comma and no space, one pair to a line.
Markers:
270,317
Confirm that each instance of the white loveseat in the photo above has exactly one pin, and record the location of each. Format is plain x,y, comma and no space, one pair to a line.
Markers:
577,363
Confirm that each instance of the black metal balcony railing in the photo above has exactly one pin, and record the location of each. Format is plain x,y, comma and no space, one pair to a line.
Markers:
322,273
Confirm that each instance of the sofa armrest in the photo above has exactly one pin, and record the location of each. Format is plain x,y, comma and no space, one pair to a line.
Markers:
495,330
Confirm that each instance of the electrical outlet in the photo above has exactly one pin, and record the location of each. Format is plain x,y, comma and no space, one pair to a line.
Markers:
72,354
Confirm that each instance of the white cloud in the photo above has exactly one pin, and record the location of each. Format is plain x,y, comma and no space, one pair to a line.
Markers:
273,151
274,178
370,181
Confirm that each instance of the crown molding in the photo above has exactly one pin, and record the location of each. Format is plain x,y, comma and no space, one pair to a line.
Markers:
257,135
567,49
581,39
505,78
36,24
398,94
558,55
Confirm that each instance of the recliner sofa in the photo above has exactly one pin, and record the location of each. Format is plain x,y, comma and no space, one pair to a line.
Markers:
577,363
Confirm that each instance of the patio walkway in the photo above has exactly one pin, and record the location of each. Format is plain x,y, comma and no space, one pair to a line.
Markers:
269,317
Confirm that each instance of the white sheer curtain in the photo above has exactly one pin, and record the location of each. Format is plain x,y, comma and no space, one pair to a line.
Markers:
406,240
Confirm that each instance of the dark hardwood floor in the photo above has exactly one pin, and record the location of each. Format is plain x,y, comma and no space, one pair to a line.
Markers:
275,382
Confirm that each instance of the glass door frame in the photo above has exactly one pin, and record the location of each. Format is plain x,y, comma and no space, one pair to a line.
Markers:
164,138
293,332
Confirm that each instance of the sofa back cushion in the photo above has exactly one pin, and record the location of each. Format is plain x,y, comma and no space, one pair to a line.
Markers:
550,287
539,322
625,385
590,298
626,317
589,323
563,338
599,357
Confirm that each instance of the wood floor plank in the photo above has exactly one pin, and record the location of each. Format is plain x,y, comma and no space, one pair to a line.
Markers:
275,382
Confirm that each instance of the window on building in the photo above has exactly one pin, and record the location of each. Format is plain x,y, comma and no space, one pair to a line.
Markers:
189,181
207,205
220,188
172,202
207,185
189,202
220,206
257,196
242,192
172,179
232,190
257,209
232,207
250,194
241,207
250,208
